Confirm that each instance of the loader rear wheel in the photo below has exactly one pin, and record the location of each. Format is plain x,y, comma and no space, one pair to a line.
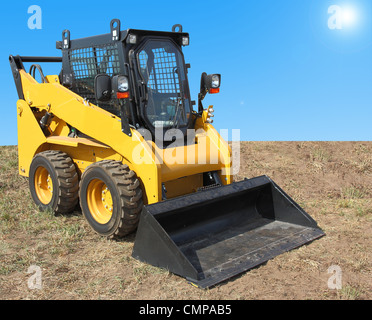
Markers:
111,198
53,181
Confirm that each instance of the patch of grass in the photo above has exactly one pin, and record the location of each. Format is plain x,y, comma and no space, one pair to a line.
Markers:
363,166
361,149
11,164
8,158
122,282
5,269
6,216
319,154
352,193
145,269
72,231
363,211
345,203
47,214
36,221
142,271
65,235
350,293
19,261
356,208
361,263
5,205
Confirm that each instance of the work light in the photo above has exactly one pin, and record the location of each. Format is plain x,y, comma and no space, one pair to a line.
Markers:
120,85
132,39
215,81
123,84
185,41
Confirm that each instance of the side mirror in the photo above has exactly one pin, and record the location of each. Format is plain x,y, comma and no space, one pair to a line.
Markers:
102,87
209,83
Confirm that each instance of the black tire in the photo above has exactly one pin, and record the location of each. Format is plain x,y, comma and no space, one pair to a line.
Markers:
117,215
61,177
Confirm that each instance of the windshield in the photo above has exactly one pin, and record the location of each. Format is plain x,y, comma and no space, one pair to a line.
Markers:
161,66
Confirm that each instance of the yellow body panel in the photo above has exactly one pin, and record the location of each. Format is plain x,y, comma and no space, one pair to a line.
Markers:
152,165
52,79
183,186
30,136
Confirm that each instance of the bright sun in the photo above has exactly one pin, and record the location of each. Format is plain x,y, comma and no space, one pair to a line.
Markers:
348,16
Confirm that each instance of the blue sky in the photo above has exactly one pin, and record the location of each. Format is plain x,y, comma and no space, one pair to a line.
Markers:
285,74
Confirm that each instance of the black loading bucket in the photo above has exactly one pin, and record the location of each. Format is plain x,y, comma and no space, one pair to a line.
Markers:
210,236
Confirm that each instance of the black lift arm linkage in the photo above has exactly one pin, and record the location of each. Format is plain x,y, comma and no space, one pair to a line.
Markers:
16,64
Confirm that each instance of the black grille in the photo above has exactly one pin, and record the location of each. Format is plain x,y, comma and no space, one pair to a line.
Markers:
162,78
86,63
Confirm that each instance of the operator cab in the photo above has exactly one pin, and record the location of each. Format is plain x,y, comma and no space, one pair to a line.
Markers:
161,68
137,75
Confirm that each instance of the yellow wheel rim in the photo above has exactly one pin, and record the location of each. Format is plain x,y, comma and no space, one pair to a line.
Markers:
99,201
43,185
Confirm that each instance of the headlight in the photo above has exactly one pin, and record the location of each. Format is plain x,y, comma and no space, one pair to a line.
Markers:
215,81
123,84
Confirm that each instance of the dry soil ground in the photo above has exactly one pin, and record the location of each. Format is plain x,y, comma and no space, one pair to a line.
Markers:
330,180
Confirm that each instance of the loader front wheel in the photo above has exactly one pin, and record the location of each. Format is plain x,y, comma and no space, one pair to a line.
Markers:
53,181
111,198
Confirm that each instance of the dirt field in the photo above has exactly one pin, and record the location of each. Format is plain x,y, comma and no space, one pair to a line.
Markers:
330,180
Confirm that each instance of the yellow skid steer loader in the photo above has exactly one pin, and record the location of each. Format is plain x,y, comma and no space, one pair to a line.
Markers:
116,131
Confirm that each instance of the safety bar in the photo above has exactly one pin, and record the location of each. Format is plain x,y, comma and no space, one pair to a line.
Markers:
41,59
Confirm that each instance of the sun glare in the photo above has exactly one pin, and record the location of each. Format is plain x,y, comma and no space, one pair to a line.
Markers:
349,16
